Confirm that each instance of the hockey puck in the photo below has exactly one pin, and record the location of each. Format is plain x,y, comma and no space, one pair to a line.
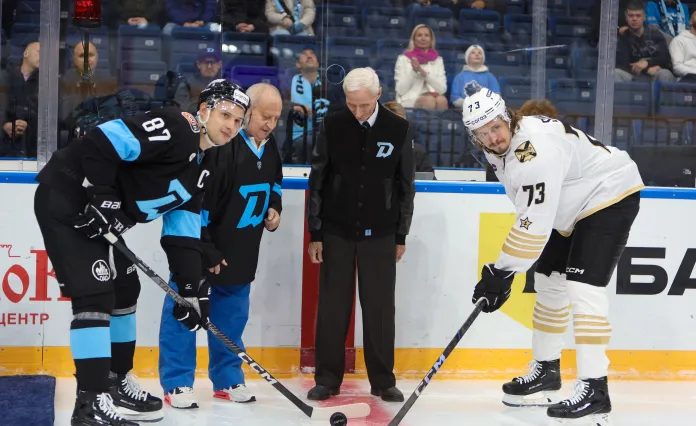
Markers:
338,419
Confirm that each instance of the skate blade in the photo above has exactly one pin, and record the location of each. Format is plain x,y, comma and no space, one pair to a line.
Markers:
539,399
141,416
591,420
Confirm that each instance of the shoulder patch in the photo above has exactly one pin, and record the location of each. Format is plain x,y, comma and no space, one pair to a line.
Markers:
192,122
525,152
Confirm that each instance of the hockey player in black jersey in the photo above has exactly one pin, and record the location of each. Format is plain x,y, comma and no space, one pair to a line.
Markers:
243,198
129,171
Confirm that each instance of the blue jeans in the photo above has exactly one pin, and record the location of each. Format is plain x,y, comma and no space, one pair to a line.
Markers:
229,311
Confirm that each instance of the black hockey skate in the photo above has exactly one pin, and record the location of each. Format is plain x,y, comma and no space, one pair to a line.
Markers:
96,409
591,399
132,402
537,388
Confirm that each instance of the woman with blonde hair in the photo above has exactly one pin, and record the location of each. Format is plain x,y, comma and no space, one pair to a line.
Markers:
419,73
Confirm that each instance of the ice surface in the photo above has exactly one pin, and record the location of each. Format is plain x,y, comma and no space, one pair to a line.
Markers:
443,403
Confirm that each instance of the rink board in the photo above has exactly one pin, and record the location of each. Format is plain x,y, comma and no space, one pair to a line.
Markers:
456,228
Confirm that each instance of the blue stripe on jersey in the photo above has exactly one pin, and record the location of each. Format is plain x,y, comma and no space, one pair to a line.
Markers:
181,223
123,328
301,93
277,189
252,146
93,342
205,218
124,141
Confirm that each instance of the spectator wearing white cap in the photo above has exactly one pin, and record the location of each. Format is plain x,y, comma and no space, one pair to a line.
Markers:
474,70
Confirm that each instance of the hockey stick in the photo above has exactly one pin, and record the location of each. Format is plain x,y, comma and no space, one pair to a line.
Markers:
321,413
440,361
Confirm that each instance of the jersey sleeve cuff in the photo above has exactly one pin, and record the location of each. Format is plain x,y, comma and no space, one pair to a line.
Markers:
400,239
315,236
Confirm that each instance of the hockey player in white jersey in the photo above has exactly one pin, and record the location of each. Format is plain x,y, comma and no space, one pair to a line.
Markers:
576,200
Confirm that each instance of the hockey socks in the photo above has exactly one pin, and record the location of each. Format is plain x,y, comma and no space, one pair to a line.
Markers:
122,340
591,328
90,344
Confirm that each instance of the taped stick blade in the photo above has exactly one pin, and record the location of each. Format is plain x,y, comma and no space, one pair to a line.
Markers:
351,411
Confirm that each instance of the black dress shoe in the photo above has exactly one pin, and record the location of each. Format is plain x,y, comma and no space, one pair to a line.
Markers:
391,394
320,392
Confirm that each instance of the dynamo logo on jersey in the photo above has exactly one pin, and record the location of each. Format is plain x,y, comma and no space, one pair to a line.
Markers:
251,194
385,149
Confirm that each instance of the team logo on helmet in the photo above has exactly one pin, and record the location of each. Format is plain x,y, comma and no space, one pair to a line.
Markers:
525,152
192,122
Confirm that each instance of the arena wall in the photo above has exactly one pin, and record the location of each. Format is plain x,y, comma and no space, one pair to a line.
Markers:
457,227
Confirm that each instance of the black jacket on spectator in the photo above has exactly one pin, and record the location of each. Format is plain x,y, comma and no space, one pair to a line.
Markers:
236,12
650,46
361,182
152,10
22,104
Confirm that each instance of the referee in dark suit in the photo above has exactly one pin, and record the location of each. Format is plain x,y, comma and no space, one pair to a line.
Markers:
359,211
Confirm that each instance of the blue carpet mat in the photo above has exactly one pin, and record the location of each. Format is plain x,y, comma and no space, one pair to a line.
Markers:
27,400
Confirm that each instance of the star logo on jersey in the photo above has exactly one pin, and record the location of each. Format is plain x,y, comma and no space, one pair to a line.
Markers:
525,152
525,223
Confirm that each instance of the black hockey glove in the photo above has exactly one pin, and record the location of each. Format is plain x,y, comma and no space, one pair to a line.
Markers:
199,296
102,214
494,286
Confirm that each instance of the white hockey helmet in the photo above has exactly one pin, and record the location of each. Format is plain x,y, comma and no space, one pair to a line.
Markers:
480,108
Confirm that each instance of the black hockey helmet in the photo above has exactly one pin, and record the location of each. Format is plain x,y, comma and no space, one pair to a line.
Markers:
222,89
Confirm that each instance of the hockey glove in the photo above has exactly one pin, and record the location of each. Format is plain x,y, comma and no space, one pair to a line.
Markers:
494,286
198,315
102,214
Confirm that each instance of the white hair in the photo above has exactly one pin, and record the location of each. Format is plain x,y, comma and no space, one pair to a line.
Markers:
361,78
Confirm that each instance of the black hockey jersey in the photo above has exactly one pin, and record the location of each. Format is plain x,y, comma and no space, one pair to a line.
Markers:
155,163
246,184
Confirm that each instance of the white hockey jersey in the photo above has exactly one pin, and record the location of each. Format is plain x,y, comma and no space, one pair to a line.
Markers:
556,175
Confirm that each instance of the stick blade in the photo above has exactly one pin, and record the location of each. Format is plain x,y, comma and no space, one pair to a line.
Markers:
352,411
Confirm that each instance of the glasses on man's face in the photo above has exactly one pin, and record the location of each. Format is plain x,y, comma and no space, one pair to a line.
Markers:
209,63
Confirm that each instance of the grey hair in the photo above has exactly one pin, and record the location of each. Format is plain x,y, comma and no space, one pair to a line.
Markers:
260,90
359,78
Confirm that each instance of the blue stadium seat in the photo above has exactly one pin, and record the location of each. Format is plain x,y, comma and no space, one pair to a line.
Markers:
244,48
248,75
573,96
23,34
658,132
504,64
99,37
185,44
440,19
515,90
623,133
389,49
453,51
28,12
558,63
338,20
139,44
570,30
557,7
513,6
385,21
479,25
676,99
632,98
141,73
351,47
519,29
585,63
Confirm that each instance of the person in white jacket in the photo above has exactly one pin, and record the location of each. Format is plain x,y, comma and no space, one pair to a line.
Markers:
290,17
683,52
419,73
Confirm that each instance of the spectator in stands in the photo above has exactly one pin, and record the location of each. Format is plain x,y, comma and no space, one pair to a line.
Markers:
20,124
419,73
137,12
641,52
683,52
290,17
475,69
669,16
309,106
244,16
420,155
80,83
191,14
539,107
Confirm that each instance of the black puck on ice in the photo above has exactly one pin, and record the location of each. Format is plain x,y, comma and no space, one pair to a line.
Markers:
338,419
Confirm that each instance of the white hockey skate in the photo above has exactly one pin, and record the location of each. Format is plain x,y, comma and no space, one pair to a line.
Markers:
181,397
236,393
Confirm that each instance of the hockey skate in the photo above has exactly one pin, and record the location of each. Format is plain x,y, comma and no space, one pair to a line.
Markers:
236,393
589,406
132,402
181,397
96,409
538,388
